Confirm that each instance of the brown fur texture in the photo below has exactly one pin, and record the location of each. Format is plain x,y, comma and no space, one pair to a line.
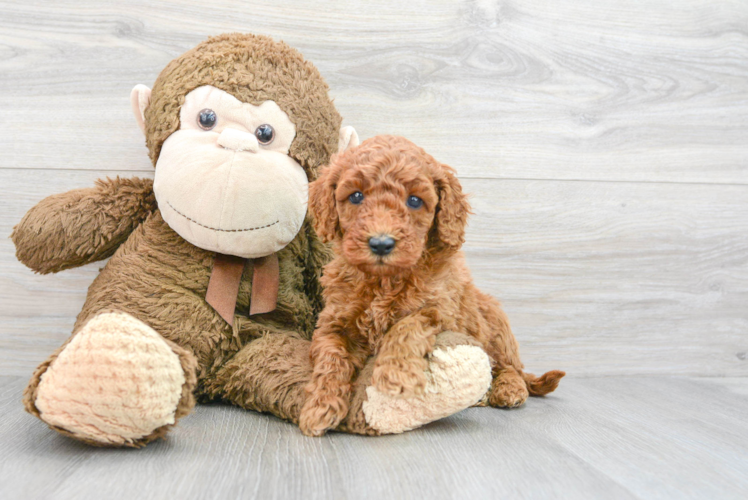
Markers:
254,69
261,362
394,305
97,221
159,278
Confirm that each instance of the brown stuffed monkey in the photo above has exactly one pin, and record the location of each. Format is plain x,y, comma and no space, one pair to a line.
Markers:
212,290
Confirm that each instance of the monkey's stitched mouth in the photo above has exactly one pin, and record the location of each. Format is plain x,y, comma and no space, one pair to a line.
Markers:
218,229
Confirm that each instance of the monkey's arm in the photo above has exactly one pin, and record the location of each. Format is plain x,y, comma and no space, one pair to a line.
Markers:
84,225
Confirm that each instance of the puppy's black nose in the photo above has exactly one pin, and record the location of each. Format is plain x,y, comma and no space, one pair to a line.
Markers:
381,245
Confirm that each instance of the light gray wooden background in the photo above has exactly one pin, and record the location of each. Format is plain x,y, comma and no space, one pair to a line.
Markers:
605,145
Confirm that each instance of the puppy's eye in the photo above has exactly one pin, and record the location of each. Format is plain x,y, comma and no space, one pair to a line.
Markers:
265,134
207,119
356,198
414,202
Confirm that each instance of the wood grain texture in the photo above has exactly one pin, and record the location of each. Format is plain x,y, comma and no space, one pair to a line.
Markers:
597,278
618,438
605,149
636,90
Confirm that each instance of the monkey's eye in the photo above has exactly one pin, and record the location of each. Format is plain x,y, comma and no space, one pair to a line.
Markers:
356,198
414,202
265,134
207,119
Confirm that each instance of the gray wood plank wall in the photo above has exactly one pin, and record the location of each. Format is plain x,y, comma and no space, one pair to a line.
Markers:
605,145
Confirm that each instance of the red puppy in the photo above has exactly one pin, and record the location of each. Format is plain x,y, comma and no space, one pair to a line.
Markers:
397,219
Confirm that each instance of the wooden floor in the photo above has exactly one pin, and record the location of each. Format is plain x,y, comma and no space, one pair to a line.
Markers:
605,148
614,437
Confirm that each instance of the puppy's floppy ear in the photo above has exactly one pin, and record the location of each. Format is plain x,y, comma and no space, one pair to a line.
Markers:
322,202
452,211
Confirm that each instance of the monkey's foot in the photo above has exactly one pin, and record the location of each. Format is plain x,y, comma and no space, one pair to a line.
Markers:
458,375
116,383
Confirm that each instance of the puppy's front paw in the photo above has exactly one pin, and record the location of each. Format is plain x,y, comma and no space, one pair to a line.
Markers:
322,412
404,381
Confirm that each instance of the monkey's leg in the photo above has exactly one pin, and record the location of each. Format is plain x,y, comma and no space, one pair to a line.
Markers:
115,382
270,373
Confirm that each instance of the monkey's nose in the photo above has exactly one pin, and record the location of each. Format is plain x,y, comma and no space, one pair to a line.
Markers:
236,140
381,245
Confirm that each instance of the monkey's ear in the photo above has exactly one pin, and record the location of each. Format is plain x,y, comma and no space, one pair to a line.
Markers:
348,138
452,211
139,99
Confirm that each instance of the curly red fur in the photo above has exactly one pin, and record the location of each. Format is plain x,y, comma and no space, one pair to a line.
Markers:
394,305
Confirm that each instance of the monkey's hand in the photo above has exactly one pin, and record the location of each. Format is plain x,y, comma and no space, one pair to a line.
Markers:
84,225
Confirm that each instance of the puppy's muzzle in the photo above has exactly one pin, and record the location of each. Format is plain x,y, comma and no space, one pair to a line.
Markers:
381,245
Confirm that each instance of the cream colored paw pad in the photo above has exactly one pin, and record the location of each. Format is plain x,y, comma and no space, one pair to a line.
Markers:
116,381
458,377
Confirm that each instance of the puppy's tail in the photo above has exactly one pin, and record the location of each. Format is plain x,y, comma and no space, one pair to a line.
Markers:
540,386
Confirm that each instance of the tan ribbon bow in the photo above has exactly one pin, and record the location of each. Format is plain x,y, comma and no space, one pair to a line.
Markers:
226,276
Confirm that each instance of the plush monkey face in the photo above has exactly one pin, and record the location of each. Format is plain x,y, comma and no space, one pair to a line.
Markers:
224,180
236,128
